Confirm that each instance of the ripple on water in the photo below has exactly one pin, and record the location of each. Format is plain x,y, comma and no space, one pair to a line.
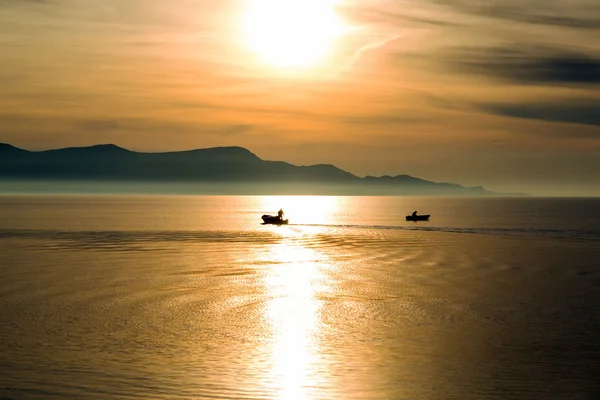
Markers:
326,312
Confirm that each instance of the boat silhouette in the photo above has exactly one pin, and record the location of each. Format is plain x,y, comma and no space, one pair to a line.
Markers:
274,220
418,217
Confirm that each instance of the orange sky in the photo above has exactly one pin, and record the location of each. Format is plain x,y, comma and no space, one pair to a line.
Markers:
501,94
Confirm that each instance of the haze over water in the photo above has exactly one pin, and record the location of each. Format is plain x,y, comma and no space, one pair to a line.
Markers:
158,297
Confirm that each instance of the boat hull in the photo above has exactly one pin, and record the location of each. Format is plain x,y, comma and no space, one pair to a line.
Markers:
418,218
274,220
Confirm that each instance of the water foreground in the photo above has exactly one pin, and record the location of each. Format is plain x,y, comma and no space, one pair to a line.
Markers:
184,298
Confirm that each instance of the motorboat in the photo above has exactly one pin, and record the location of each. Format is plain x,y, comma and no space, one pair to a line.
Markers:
274,220
418,217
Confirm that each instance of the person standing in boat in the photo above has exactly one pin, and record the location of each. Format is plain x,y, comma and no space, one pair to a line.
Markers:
280,214
414,214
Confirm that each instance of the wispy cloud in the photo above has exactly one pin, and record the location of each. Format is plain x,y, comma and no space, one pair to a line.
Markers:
376,44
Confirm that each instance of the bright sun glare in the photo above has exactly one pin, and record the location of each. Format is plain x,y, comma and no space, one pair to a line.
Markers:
304,209
291,33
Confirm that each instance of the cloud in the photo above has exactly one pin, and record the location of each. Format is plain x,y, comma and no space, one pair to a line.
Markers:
582,14
574,112
237,129
370,47
25,122
98,125
391,18
556,20
4,3
398,118
528,66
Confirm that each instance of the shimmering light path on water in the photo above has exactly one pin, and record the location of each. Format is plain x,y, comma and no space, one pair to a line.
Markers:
191,298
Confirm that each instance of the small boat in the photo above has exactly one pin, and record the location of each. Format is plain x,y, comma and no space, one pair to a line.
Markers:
418,217
274,220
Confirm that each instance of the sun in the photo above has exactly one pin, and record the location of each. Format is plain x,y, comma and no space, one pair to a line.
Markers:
291,33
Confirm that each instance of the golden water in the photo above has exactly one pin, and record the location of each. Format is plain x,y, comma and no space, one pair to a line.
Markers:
191,298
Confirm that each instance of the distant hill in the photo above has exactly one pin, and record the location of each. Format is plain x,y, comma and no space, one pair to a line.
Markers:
235,169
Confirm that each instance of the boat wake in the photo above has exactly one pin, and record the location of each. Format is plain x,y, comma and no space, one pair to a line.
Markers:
553,233
161,240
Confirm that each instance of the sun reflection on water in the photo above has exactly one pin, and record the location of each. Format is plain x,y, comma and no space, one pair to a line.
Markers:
303,209
294,315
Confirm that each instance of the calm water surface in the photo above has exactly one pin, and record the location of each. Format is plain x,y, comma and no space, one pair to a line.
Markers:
108,297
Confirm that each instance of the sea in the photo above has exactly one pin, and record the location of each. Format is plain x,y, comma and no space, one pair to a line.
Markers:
192,297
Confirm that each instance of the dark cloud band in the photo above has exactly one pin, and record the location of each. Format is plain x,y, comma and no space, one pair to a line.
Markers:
577,112
533,66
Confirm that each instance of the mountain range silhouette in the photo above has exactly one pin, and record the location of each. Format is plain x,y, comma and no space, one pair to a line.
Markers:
227,166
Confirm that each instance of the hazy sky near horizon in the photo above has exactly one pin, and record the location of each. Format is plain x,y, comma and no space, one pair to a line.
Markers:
504,94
